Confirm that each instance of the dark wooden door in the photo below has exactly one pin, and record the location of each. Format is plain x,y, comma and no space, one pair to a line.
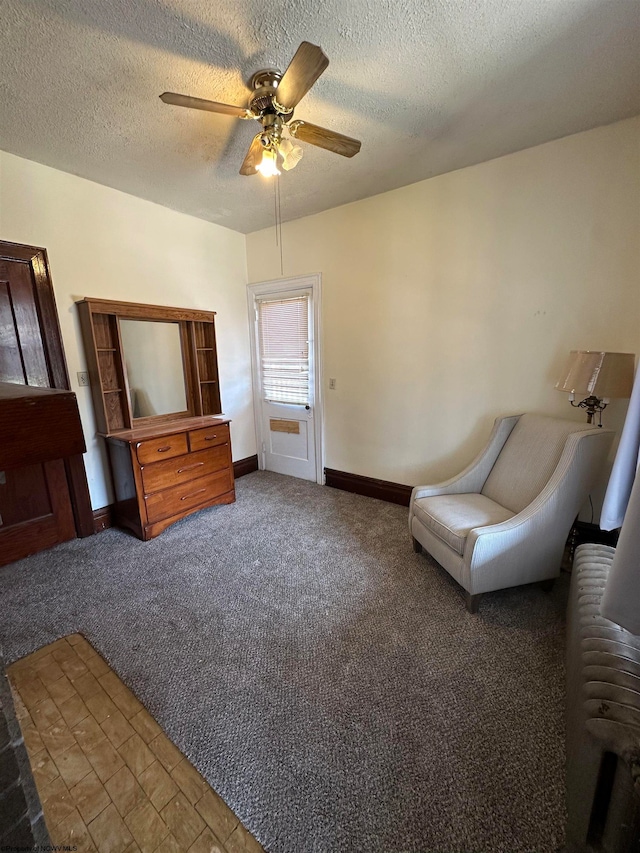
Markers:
47,503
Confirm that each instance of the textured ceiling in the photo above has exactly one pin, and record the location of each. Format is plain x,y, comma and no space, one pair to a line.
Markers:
427,85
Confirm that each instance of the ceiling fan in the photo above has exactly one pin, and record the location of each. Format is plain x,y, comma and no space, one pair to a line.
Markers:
272,102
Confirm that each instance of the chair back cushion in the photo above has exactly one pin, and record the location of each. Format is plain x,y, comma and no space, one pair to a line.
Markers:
528,459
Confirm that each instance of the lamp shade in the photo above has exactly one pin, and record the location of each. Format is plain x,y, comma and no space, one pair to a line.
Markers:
598,374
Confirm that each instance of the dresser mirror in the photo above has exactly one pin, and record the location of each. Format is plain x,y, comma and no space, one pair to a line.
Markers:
149,364
152,353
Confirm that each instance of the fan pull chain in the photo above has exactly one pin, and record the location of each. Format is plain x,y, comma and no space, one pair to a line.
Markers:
278,217
275,205
279,222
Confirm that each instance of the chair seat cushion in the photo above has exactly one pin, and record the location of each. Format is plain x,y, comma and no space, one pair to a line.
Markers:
451,517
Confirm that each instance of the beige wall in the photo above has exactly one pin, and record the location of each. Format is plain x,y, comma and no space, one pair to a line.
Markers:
107,244
454,300
445,303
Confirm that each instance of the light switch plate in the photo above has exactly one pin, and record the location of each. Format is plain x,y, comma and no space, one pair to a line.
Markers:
83,378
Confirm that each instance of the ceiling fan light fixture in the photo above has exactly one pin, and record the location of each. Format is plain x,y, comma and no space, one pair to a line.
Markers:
268,166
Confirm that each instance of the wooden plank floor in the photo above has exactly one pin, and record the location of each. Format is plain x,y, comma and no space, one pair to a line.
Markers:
108,777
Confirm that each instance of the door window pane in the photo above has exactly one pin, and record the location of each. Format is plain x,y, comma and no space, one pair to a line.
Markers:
283,327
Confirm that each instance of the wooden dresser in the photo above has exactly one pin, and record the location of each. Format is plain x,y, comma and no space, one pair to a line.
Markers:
163,473
168,457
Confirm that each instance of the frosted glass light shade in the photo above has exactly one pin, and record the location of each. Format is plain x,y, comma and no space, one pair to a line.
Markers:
268,165
598,374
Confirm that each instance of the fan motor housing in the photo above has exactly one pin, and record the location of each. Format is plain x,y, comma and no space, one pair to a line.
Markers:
265,85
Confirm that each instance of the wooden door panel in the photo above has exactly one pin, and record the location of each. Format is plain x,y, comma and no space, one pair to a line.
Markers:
16,276
11,369
22,538
23,495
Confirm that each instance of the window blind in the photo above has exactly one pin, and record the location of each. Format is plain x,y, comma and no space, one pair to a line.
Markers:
283,328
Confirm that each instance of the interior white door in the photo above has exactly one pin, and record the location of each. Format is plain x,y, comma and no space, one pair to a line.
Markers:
286,370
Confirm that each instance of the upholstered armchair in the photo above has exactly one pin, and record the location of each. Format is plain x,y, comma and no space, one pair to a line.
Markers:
505,519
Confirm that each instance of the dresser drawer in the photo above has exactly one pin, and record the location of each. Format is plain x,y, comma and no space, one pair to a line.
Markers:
155,449
215,434
183,469
179,499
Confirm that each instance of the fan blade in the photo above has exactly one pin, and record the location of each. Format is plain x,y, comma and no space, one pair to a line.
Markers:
324,138
201,104
253,158
304,69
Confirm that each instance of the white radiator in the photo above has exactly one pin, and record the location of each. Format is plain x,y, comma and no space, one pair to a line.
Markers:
603,717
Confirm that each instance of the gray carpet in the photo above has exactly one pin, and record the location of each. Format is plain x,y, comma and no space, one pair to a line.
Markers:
326,680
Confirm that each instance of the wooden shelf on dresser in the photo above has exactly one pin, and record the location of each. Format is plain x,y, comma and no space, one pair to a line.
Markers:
164,472
100,321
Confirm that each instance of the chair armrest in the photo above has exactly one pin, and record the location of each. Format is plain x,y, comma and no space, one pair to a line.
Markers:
473,477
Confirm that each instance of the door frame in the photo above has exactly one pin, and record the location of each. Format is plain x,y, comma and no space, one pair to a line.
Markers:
38,263
312,281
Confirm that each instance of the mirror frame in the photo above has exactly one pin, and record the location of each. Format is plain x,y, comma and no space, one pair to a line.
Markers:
100,324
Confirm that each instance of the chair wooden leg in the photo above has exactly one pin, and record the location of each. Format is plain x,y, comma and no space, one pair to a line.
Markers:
473,602
547,585
417,547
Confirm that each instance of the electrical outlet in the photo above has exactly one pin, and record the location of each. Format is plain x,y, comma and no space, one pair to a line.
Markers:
83,378
332,385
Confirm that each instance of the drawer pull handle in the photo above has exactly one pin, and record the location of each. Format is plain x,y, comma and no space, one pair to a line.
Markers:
164,449
192,495
190,467
210,437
